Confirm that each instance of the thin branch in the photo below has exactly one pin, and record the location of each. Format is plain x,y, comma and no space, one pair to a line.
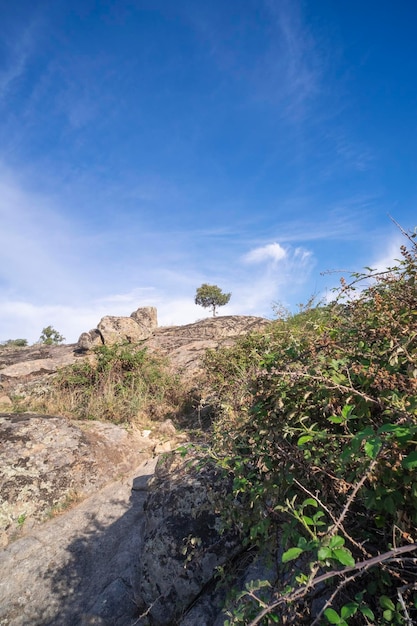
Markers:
403,232
332,597
337,523
361,566
353,496
330,385
310,493
409,621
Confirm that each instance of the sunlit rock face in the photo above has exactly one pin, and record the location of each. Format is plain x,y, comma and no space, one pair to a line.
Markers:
137,327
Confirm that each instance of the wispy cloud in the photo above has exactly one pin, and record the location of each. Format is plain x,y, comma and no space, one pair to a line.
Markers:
18,47
388,254
270,252
354,154
277,275
343,219
284,70
294,57
28,234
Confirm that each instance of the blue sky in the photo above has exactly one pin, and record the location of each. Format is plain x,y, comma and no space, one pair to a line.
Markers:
147,147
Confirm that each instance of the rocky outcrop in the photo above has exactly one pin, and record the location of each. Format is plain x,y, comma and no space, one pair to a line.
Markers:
113,329
183,540
186,345
75,570
90,340
136,328
48,462
26,371
147,318
27,363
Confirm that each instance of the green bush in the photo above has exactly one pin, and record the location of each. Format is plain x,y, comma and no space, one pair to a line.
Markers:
123,383
14,343
318,426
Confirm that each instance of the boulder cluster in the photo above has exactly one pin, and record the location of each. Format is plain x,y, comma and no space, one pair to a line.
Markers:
112,329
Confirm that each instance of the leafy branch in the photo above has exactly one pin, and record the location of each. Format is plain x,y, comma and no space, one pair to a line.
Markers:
358,568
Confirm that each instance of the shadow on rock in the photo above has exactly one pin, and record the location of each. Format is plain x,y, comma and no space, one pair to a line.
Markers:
94,586
126,557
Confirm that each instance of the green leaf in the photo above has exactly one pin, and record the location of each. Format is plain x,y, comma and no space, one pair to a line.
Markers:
332,616
386,603
344,557
348,610
310,502
388,615
367,612
347,410
304,439
368,430
334,419
336,542
324,553
400,430
373,446
291,554
410,461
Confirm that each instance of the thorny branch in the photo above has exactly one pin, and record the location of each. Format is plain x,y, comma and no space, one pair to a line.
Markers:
359,567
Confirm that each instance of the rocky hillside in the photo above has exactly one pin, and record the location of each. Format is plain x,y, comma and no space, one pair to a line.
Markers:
23,369
47,461
61,479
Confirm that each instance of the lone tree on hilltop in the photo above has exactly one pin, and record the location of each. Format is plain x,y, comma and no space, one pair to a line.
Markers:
211,296
50,336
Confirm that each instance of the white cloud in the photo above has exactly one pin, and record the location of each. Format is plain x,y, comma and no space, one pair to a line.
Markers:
385,254
280,274
388,254
271,252
302,255
23,319
38,247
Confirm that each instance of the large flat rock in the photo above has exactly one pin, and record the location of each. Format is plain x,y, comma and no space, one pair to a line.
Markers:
34,361
48,462
77,568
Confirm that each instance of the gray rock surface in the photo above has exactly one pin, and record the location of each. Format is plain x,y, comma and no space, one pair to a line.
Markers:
85,566
77,568
48,463
27,363
186,345
90,340
146,317
183,542
136,328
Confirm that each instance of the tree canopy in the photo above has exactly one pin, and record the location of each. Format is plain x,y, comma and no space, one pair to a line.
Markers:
50,336
211,296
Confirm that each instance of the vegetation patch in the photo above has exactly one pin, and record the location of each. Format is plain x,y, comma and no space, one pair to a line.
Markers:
120,383
317,425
